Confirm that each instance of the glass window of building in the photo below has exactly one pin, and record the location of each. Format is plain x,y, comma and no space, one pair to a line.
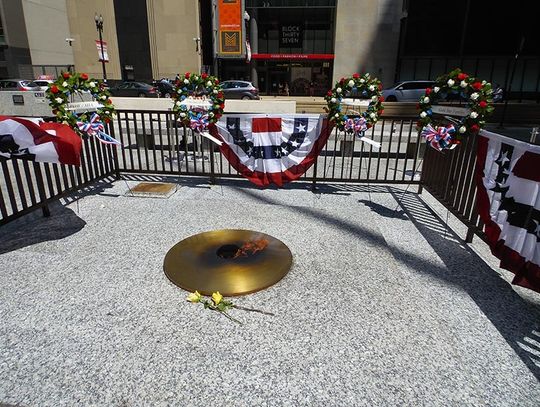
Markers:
293,48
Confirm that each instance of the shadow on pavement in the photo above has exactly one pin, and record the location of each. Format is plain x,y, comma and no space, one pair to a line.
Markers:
383,210
516,319
512,316
34,228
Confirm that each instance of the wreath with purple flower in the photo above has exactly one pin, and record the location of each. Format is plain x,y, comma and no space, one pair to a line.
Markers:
201,86
358,86
455,85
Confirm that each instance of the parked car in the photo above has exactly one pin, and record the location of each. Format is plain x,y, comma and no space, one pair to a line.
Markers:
498,93
42,84
16,84
409,91
134,89
239,90
164,87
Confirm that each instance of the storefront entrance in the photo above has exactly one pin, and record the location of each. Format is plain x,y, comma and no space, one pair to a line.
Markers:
302,78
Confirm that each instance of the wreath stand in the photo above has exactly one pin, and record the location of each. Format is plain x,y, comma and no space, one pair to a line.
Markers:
471,119
346,91
62,94
191,158
198,103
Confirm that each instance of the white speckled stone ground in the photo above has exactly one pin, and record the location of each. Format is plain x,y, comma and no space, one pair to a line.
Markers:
381,308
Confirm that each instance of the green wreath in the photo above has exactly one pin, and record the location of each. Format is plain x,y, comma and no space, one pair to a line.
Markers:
364,86
198,85
69,84
457,84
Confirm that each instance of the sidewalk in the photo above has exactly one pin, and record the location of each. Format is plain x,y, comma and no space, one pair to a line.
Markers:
380,308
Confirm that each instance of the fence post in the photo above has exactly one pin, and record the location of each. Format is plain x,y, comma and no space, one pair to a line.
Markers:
470,235
420,160
212,173
41,190
314,182
116,164
116,169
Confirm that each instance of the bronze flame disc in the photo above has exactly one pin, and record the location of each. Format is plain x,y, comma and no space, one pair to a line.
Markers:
233,262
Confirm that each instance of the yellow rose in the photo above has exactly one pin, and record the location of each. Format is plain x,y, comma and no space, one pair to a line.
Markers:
194,297
217,297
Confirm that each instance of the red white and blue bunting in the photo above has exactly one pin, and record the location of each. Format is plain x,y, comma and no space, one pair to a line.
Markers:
508,182
36,140
270,149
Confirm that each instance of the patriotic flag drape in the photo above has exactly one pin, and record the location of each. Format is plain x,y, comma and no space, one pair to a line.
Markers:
270,148
39,141
508,181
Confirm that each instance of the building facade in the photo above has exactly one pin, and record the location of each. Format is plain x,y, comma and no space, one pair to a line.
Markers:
491,40
33,38
306,45
310,44
146,39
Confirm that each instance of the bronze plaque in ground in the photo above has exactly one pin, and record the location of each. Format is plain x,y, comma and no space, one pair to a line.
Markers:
233,262
152,189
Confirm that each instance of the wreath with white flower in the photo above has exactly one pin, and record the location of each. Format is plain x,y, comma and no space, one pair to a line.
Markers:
364,86
204,85
456,84
60,92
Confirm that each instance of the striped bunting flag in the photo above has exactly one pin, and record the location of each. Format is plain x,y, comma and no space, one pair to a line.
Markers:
272,149
508,181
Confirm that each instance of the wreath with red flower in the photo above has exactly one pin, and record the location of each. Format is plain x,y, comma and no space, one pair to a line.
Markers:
457,85
356,86
203,85
60,92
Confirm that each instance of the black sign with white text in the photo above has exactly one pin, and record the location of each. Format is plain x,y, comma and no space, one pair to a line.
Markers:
291,35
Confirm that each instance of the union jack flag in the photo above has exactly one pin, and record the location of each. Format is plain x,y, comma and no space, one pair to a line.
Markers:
270,149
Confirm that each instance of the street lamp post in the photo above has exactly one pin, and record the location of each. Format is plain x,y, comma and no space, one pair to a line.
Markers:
246,28
99,28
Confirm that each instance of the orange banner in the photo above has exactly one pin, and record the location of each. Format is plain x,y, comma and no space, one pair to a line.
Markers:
230,26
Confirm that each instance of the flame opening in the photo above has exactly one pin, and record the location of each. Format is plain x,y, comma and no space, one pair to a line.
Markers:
251,247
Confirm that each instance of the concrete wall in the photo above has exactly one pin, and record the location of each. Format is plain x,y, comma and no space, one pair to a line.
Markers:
367,37
17,53
172,25
83,30
47,29
231,105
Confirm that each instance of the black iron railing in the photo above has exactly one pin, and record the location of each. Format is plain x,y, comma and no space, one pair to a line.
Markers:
27,185
449,177
154,143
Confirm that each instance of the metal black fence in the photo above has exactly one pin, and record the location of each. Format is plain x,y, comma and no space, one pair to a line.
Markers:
153,143
450,177
27,185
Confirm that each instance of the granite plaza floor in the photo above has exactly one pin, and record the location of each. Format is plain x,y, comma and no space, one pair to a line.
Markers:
382,307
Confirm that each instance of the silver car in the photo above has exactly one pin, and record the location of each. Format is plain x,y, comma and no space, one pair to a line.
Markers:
43,84
17,84
239,90
407,91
